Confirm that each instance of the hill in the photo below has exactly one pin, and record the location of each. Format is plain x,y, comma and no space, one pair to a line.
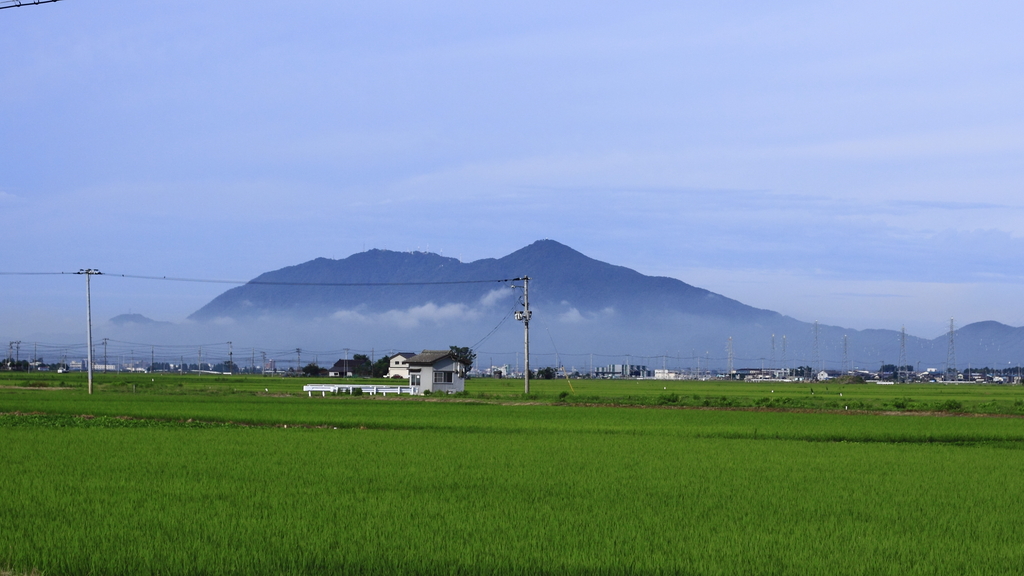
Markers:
584,306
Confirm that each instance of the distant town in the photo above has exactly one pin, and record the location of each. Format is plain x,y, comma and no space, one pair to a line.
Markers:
395,366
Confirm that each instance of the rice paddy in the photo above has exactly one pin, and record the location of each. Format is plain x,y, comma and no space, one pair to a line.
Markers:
192,480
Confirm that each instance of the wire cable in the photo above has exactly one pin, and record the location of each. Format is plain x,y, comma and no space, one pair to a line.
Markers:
267,282
273,283
20,3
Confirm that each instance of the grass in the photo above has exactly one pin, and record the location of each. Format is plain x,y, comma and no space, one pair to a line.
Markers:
970,398
201,480
431,500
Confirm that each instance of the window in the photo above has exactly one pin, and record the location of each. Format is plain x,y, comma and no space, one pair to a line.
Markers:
443,377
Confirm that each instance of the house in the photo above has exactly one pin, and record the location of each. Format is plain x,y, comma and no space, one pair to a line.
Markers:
342,369
436,371
398,365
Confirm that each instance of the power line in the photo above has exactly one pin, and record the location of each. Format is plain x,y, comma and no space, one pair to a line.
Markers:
35,273
271,283
268,282
20,3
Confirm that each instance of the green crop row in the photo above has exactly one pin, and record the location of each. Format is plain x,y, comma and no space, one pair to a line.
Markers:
439,500
970,398
469,416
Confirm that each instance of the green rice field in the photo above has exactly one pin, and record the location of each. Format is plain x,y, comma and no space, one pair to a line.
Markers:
243,476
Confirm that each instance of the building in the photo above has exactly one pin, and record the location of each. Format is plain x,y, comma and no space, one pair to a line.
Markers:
623,371
398,365
436,371
342,369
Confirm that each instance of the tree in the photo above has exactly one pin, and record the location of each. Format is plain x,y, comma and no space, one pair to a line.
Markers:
380,367
311,369
463,354
547,373
362,366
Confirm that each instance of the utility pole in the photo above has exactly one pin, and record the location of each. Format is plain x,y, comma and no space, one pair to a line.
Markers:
263,368
524,317
152,359
105,355
231,359
88,273
200,361
35,356
298,359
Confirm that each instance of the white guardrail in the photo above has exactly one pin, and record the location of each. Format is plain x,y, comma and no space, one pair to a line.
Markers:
323,389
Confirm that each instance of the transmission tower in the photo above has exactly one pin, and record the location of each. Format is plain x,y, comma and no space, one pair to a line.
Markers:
903,354
951,372
846,354
817,354
728,348
785,362
773,353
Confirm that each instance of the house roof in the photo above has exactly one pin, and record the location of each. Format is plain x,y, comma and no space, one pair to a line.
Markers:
428,357
404,354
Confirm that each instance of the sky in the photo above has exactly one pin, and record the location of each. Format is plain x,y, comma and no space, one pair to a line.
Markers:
858,164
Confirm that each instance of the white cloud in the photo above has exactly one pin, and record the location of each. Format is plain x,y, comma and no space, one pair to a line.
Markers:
495,296
573,316
429,313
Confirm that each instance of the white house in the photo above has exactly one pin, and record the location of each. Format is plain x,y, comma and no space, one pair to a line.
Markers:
436,371
398,365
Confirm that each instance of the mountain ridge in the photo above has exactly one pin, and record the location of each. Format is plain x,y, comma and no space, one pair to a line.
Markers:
593,303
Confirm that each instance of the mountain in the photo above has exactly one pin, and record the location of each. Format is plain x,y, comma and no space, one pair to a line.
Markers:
581,305
125,319
558,275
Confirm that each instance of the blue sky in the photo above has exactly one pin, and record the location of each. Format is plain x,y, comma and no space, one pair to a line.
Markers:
855,164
